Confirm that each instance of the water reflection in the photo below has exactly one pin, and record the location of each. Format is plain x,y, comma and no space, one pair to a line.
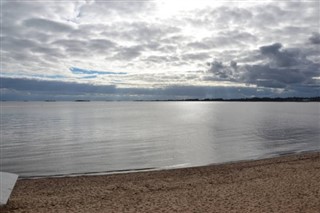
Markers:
64,138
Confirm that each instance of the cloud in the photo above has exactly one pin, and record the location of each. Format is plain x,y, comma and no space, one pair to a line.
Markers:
30,89
201,45
265,76
220,17
102,8
55,87
85,47
221,71
224,39
315,38
14,44
271,49
285,58
101,44
286,68
251,42
145,31
129,53
47,25
159,59
196,56
233,65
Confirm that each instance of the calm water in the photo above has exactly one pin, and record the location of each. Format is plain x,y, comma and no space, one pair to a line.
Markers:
60,138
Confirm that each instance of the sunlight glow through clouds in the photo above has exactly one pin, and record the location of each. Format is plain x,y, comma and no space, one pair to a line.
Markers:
168,8
164,42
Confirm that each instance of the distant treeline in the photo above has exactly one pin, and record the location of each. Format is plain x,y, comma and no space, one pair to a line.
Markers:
255,99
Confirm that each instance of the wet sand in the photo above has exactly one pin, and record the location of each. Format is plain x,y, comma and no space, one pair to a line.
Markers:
282,184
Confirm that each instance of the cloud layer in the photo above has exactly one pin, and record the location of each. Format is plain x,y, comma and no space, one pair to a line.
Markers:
160,45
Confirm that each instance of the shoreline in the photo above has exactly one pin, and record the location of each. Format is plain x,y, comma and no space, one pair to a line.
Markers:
289,183
129,171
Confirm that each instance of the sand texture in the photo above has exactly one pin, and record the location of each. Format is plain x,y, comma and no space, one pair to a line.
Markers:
284,184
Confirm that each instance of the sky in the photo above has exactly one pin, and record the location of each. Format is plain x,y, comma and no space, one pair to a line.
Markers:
161,49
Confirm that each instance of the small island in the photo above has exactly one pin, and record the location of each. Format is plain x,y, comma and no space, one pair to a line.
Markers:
82,100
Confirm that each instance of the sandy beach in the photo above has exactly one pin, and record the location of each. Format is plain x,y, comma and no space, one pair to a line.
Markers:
283,184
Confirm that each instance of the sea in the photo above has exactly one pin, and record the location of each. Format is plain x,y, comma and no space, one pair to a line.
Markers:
41,139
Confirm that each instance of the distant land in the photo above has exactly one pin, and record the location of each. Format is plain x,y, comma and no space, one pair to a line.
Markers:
253,99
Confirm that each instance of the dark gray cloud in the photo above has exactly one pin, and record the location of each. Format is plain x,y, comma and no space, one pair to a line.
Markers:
47,25
72,45
54,87
271,49
51,51
30,89
284,58
161,59
234,65
315,38
201,45
101,44
85,48
203,56
265,76
221,71
284,68
127,8
76,43
128,53
15,11
23,54
289,57
15,44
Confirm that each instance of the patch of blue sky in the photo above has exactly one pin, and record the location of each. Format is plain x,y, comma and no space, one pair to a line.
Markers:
79,71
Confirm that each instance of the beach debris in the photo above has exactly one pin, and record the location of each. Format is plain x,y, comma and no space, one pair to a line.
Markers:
7,182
